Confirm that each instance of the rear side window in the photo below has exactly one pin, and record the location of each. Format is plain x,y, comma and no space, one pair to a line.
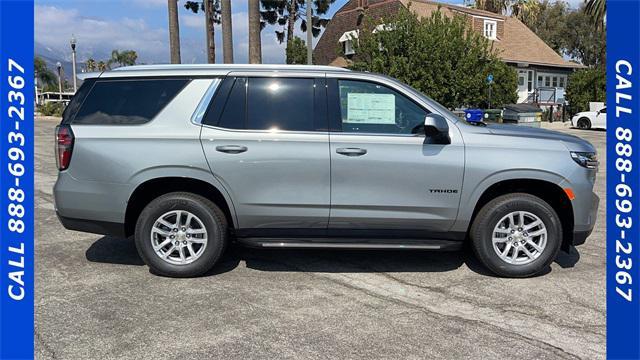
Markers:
293,104
280,104
127,102
77,100
234,114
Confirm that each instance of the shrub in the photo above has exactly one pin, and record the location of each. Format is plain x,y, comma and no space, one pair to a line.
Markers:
52,109
585,86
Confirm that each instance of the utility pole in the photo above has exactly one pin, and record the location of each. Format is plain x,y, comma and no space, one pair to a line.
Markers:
59,67
309,34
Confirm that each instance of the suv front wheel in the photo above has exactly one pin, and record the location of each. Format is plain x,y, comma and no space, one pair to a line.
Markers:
516,235
181,234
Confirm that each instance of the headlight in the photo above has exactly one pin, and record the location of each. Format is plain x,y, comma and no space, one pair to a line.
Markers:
585,159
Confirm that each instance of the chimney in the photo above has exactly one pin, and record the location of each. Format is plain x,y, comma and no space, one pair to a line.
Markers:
362,5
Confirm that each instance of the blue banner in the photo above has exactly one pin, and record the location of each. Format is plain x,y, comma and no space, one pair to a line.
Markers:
623,180
16,179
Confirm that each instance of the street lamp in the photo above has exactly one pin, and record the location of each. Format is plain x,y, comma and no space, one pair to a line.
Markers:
59,67
73,59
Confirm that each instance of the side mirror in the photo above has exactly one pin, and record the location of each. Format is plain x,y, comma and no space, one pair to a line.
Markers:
436,127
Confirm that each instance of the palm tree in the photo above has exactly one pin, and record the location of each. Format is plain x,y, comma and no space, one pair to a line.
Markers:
255,43
45,76
598,10
174,31
91,64
102,66
227,32
495,6
526,11
211,9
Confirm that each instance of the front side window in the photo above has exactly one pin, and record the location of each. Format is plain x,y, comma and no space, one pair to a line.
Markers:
490,29
127,102
366,107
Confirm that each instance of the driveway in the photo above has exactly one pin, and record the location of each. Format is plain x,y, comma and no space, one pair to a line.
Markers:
96,300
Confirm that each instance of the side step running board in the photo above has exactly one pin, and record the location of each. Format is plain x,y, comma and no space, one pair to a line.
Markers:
350,243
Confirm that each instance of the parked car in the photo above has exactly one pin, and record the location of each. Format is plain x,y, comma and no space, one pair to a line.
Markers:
188,158
590,119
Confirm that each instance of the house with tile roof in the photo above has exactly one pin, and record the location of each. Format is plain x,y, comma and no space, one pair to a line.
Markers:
542,73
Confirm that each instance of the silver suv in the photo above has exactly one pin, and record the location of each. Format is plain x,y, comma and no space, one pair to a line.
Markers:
187,158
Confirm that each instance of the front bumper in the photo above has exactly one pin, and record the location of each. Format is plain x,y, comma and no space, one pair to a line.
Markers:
582,232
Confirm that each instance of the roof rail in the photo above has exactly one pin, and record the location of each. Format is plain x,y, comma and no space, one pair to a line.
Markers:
161,67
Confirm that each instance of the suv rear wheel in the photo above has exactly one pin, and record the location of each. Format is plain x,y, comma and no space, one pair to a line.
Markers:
516,235
181,234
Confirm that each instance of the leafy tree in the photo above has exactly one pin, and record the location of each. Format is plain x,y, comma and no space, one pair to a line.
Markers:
286,13
437,55
548,20
583,42
297,52
211,9
585,86
44,74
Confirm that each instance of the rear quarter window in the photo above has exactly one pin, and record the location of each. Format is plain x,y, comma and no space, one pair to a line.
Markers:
127,102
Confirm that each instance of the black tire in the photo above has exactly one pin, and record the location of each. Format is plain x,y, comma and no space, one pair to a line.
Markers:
481,234
584,123
212,218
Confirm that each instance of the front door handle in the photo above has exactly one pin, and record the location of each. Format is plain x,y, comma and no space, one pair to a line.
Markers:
351,151
231,149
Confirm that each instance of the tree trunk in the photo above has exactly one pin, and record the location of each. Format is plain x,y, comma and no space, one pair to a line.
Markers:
211,42
255,45
293,14
174,32
227,32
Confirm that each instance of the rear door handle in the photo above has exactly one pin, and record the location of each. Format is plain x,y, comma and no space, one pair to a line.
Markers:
231,149
351,151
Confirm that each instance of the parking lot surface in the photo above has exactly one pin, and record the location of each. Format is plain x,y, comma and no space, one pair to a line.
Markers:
95,299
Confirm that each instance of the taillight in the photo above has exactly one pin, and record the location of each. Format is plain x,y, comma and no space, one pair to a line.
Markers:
64,146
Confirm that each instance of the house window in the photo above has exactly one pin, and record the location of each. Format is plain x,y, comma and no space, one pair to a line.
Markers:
540,83
555,81
347,47
547,81
561,81
490,27
347,42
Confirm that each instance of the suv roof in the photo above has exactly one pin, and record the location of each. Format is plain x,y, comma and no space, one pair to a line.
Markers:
203,69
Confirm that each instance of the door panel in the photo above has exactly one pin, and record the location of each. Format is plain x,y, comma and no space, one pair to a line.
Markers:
281,180
384,174
267,142
390,187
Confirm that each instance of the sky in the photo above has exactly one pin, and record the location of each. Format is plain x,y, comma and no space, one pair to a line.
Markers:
141,25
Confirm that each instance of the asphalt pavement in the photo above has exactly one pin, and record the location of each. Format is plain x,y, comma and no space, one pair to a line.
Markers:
95,299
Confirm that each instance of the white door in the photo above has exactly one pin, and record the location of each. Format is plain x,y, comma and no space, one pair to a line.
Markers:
525,84
600,120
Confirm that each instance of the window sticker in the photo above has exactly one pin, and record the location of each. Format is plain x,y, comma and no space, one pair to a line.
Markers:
371,108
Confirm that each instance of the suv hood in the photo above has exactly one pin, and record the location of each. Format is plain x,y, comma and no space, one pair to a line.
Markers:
573,143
